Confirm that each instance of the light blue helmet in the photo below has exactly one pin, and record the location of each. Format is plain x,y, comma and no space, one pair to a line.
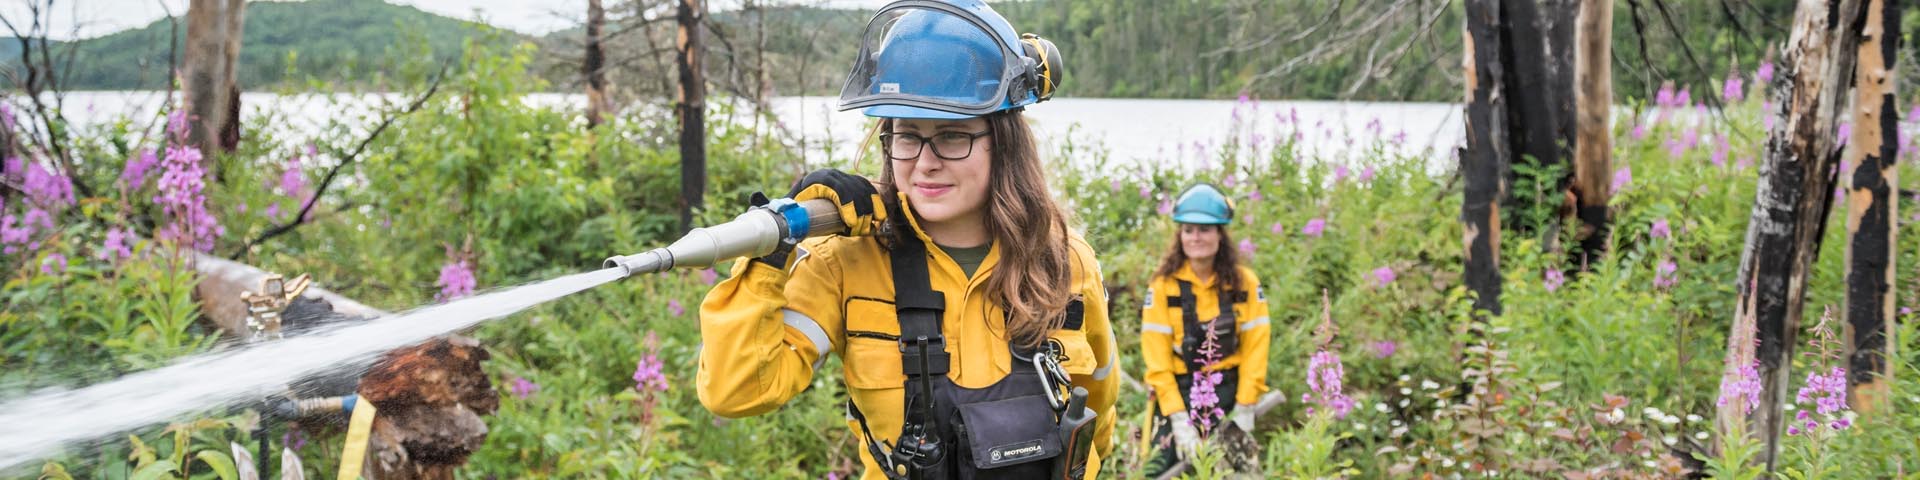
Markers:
948,59
1203,205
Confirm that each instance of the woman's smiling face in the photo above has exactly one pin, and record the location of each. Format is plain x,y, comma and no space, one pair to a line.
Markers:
944,190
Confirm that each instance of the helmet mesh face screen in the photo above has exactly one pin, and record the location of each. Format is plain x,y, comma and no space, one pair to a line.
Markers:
929,58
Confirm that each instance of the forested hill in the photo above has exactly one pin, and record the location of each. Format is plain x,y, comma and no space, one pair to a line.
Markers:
1300,49
286,42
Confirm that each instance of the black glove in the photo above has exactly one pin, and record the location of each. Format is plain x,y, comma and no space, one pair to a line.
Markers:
860,206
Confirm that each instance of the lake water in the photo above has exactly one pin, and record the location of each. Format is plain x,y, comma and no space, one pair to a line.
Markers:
1132,131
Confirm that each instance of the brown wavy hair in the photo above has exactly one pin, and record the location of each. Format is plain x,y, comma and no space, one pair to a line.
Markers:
1226,262
1034,277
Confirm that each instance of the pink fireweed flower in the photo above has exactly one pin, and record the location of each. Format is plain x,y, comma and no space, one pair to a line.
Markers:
1622,178
1324,378
1114,185
1639,131
1665,275
115,247
1166,206
292,181
135,172
1555,279
1203,395
184,200
1246,246
522,388
177,123
1741,387
673,307
55,263
1845,132
1146,191
1278,229
1734,90
1719,157
456,279
1827,391
1660,229
1383,276
1255,196
1664,97
647,374
708,276
1763,74
1366,174
42,187
1339,173
1314,227
1385,348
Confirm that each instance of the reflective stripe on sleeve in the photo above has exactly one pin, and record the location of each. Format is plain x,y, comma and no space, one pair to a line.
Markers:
1101,373
1258,322
811,329
1157,328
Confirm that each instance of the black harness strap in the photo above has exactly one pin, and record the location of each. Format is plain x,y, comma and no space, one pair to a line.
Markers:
1195,331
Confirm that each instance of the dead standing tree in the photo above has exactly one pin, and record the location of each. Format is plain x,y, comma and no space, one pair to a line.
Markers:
1871,209
214,30
594,65
691,109
1593,136
1793,198
1483,160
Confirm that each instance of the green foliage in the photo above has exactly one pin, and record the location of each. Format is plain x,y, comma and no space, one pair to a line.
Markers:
1575,380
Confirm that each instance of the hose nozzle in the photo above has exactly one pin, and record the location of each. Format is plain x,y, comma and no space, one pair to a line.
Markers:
754,233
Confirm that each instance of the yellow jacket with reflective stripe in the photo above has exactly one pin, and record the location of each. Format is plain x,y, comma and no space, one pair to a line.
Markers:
765,331
1161,331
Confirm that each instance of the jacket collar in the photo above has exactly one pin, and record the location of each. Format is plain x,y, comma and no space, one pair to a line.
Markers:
986,265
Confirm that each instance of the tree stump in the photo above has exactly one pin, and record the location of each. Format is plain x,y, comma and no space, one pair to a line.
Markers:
430,398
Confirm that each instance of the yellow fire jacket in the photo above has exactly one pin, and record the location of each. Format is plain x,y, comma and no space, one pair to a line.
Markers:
765,331
1161,332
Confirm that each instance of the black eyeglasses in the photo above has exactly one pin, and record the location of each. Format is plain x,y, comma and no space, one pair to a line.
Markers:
946,145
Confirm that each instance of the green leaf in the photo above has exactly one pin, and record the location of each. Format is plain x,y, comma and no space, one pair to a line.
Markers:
221,463
155,471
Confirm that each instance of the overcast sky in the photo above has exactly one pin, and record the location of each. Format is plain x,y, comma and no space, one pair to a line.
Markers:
100,17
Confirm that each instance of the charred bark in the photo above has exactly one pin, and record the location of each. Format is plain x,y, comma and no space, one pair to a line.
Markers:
692,112
594,68
1593,145
1483,161
1871,208
1536,47
1794,195
213,31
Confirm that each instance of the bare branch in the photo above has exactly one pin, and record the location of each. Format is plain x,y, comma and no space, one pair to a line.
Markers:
306,208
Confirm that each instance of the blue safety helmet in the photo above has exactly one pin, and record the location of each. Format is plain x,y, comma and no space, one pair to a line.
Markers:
1203,205
948,59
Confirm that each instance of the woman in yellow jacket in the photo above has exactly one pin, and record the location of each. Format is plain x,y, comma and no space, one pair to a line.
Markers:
1204,312
971,324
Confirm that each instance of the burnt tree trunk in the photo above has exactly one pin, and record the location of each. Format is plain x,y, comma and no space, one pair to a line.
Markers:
1593,147
213,28
1870,208
692,112
594,68
1536,48
1795,194
1483,161
230,118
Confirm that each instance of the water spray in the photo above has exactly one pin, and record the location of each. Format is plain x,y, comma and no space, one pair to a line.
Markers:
44,422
